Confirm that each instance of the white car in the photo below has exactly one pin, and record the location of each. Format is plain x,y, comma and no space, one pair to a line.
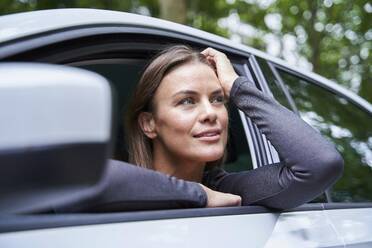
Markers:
49,104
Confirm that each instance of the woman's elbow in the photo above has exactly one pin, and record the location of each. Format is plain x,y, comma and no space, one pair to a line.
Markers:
331,167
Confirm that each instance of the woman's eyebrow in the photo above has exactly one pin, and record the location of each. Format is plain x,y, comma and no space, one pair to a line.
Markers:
185,92
217,92
191,92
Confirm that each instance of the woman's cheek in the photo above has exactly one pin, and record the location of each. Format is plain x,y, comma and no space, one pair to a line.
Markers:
179,120
185,115
225,124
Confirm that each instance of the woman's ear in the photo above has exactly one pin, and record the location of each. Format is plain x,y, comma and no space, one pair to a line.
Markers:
147,124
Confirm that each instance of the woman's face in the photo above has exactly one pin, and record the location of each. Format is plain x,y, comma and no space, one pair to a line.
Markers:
190,117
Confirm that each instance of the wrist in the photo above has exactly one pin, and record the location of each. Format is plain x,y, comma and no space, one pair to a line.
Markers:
229,83
205,195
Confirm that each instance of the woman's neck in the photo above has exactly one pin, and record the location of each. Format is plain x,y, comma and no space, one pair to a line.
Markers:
182,169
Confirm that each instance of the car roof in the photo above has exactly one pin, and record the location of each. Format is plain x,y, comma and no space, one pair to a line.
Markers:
15,26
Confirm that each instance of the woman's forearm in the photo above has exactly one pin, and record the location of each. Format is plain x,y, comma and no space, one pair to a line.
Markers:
128,187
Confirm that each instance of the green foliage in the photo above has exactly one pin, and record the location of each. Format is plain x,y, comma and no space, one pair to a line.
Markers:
336,39
333,35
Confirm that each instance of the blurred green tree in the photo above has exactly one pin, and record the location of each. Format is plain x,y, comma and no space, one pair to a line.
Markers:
333,35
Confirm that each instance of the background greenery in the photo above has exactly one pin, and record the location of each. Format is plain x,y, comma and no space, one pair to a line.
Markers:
330,37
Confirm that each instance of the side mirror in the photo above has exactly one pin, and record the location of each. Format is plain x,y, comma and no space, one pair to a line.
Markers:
55,133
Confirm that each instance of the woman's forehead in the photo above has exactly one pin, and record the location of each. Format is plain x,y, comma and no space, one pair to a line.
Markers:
191,76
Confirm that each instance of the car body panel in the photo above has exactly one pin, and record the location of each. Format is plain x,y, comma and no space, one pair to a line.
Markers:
354,225
304,229
237,231
291,229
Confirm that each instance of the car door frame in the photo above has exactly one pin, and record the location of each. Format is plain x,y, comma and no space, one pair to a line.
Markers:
24,49
10,51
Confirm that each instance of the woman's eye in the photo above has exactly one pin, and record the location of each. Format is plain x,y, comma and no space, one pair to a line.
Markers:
218,99
186,101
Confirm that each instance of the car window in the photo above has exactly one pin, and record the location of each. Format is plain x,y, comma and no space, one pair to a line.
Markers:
273,83
344,124
279,93
125,73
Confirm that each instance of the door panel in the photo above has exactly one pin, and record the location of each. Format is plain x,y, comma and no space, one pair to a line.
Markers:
218,231
303,229
354,225
291,229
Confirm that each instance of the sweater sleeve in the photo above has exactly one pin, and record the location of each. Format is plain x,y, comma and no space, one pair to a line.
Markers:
309,163
127,187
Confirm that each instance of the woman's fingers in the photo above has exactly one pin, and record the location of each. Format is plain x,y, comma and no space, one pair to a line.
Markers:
211,60
225,71
219,199
212,52
224,200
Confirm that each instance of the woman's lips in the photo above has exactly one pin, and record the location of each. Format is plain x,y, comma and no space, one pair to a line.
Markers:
211,135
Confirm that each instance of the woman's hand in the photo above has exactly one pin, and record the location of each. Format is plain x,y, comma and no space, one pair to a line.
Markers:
225,70
219,199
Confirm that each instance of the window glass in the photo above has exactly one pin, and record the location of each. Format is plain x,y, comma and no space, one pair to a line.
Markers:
279,95
124,75
273,83
344,124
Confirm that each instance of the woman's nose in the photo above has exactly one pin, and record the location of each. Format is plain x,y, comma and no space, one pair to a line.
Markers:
208,112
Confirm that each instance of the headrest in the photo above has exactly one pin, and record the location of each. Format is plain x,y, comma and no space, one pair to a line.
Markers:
55,133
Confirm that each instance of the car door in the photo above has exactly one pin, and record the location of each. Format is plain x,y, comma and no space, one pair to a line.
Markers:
345,120
119,55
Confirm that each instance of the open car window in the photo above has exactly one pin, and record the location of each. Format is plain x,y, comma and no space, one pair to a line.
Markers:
124,74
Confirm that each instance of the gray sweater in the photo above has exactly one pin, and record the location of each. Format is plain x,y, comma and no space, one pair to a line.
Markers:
309,165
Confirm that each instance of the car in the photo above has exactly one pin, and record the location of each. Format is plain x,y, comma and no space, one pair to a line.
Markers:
60,51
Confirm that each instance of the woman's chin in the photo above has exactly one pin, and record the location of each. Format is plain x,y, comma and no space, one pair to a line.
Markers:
209,156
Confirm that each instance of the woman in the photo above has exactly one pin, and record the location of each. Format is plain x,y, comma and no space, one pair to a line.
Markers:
178,126
179,122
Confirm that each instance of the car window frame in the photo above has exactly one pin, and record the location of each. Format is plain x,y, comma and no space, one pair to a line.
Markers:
272,155
265,153
64,35
27,49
